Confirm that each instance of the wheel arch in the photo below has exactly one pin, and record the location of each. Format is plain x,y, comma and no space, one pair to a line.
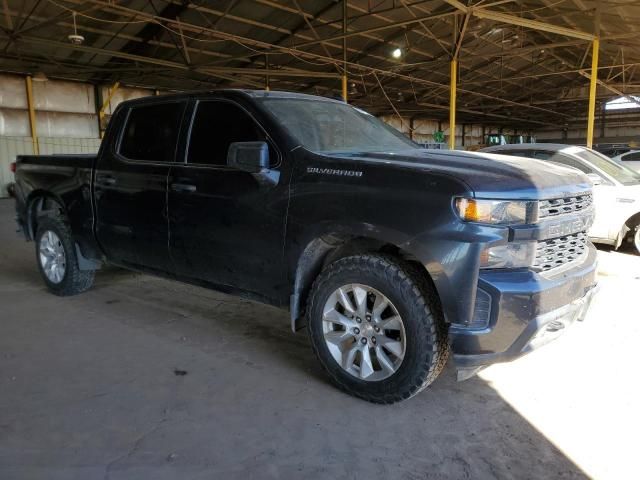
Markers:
632,222
39,202
327,248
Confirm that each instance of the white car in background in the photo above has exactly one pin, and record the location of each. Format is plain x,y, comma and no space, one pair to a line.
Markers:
616,188
629,159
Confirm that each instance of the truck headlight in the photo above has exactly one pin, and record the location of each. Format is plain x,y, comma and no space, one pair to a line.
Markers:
496,212
511,255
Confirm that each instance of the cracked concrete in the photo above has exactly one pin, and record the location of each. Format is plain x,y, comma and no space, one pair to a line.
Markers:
88,391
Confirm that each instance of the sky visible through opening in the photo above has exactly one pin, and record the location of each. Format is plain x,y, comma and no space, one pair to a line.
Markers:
623,103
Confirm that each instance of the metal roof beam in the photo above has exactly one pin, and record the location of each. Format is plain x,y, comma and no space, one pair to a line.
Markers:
481,12
611,88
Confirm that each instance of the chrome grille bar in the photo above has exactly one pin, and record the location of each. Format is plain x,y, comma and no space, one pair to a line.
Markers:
556,252
560,206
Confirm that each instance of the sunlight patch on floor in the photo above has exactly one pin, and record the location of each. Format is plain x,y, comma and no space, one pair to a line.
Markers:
582,392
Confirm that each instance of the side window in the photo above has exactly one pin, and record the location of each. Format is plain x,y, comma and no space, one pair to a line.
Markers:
151,132
542,155
217,125
523,153
635,156
566,161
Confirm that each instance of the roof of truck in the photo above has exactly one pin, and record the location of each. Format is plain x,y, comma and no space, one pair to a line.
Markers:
231,91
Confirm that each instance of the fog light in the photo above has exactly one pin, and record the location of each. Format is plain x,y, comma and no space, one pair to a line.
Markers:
511,255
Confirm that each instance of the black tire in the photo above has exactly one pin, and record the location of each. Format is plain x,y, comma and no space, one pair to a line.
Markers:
74,280
413,296
635,239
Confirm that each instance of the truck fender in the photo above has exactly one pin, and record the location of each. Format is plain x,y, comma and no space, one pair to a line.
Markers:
321,249
629,225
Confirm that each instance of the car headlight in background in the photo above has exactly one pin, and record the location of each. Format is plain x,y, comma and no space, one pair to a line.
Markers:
511,255
496,212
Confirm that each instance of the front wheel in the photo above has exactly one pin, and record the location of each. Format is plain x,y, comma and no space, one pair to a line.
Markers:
57,259
376,328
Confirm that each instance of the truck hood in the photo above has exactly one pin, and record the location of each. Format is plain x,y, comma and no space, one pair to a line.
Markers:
488,175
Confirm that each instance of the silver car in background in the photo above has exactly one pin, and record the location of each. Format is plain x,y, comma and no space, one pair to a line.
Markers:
616,188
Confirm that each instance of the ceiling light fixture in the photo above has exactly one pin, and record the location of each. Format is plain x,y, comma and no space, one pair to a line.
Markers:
75,38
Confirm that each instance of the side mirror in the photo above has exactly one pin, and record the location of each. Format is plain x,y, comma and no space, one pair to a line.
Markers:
252,157
595,178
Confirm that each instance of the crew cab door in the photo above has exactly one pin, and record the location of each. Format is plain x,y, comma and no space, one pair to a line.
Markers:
130,184
226,226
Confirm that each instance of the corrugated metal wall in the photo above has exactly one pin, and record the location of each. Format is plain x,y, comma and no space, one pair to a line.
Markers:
66,118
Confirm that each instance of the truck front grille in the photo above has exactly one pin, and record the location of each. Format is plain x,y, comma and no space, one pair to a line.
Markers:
556,252
559,206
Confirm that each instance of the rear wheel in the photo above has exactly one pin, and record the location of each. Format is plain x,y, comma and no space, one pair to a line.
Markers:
57,259
376,328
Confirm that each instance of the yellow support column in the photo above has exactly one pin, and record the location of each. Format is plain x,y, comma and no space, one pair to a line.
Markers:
105,104
452,104
592,91
344,50
344,87
32,116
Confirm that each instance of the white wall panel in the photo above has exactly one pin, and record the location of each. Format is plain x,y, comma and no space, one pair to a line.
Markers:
75,125
13,91
61,96
14,122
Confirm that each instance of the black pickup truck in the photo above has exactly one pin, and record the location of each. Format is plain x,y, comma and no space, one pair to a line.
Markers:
390,255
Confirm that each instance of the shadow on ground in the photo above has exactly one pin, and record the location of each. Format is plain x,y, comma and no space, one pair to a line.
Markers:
89,390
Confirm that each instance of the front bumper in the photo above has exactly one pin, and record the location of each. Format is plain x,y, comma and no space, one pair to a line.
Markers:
528,310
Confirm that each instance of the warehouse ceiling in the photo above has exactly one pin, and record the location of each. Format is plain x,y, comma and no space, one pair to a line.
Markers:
520,62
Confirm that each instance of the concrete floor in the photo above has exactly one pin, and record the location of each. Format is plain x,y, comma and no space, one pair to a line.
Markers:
88,390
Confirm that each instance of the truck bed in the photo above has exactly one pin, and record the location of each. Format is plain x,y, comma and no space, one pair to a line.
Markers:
76,160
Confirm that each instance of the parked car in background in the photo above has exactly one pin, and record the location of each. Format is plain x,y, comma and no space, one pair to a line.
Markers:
616,191
630,159
611,150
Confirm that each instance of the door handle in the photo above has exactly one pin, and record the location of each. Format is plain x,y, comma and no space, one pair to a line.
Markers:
183,187
105,180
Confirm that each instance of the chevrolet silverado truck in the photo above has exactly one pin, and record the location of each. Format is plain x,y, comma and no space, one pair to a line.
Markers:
390,255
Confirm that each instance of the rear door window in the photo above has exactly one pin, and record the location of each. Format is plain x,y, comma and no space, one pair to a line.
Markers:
151,132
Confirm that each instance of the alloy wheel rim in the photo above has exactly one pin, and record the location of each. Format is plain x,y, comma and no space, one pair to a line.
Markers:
52,257
364,332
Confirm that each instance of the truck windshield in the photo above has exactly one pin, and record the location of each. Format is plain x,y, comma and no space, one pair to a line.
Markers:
333,127
622,174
